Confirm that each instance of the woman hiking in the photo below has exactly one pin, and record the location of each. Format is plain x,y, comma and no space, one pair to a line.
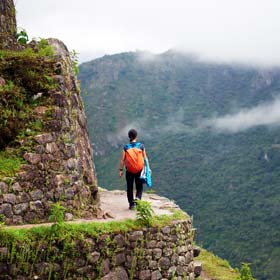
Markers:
133,156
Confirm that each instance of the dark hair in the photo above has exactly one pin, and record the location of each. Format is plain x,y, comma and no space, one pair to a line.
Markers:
132,134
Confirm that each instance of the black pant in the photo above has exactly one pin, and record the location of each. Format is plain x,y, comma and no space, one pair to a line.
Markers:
130,177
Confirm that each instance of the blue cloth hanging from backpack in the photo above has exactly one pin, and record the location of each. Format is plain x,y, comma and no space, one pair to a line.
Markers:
146,176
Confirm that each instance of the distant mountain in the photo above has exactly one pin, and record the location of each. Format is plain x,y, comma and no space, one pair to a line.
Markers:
225,175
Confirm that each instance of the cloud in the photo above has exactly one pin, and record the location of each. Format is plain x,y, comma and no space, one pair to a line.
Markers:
239,31
267,114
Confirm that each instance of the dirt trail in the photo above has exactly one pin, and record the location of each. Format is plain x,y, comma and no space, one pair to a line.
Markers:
115,206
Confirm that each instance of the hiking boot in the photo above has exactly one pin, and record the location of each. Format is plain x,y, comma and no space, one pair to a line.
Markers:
132,207
136,200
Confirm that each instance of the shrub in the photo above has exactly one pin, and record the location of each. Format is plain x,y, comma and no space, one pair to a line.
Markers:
144,212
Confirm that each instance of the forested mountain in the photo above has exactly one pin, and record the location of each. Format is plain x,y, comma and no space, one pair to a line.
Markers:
226,176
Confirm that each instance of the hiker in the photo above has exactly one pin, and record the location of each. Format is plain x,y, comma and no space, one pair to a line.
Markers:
133,156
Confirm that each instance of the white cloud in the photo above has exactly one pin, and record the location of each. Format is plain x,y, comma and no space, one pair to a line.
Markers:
267,114
242,31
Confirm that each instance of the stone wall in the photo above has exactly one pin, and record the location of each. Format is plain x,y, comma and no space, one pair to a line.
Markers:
59,163
8,26
148,253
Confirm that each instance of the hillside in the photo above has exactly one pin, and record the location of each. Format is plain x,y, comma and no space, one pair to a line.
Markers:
228,181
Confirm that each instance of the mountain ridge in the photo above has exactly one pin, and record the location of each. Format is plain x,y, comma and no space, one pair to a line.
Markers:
224,176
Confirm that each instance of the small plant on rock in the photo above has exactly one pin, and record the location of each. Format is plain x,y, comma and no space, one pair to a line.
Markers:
75,61
22,37
57,213
144,212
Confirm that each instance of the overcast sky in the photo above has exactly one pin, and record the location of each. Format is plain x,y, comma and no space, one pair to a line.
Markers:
228,30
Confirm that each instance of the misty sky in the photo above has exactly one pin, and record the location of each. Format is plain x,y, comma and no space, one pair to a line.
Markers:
227,30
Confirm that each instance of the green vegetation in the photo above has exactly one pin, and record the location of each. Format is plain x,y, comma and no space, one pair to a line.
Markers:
22,37
144,212
44,49
26,74
67,237
216,267
224,180
92,228
75,61
57,213
9,165
246,273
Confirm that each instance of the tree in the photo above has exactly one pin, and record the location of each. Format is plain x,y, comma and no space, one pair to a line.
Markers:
8,25
245,272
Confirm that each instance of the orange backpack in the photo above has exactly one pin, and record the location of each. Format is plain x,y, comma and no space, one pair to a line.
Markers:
134,158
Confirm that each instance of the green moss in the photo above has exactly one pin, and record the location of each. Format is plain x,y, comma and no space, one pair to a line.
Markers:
216,267
9,165
26,73
40,243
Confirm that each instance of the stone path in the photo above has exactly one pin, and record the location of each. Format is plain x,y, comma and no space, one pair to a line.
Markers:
115,207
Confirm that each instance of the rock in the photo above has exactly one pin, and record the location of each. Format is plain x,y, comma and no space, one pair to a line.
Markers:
93,257
182,249
171,272
105,267
109,214
22,197
164,263
44,138
4,252
60,99
157,253
79,262
135,235
59,180
188,257
37,96
36,205
70,192
165,230
3,269
120,259
145,275
161,244
196,251
9,198
36,195
167,252
17,220
59,47
156,275
40,110
3,188
2,82
153,265
151,244
197,268
174,259
32,158
119,239
43,268
71,163
51,148
20,208
16,187
118,274
68,217
13,269
181,260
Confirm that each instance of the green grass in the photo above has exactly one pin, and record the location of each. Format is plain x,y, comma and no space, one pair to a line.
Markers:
215,267
93,228
9,165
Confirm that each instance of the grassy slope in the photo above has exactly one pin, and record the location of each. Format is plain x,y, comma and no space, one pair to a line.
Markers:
215,267
221,179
